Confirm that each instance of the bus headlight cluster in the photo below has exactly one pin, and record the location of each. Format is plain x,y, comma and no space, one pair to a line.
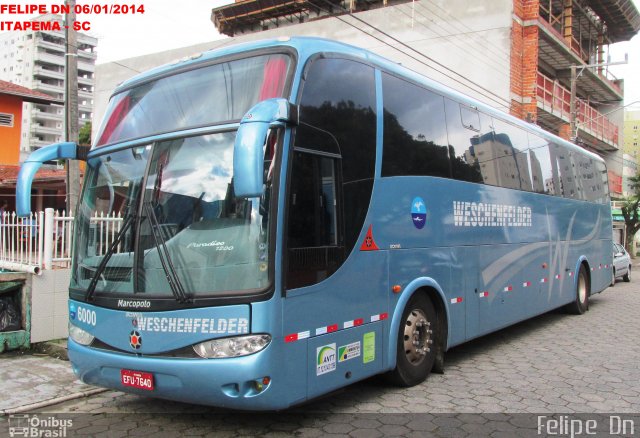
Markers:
80,336
232,347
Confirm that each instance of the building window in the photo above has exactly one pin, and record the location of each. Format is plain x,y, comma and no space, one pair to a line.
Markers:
6,120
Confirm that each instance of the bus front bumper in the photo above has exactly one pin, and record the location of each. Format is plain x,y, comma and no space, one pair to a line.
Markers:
228,383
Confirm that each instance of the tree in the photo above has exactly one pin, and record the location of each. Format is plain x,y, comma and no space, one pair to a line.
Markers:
84,136
630,213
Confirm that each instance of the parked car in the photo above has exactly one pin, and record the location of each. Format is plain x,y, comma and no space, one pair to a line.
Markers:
621,264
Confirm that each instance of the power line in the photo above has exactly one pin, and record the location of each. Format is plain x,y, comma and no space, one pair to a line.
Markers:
497,99
488,47
448,37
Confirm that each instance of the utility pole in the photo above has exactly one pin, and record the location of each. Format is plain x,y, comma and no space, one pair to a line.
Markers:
575,74
573,111
71,105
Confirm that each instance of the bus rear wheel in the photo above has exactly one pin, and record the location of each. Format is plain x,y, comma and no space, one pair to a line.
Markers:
581,303
417,342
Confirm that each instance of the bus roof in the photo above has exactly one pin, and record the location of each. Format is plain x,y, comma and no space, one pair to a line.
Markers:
306,47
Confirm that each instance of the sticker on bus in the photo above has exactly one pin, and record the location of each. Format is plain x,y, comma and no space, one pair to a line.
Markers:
349,351
326,359
369,347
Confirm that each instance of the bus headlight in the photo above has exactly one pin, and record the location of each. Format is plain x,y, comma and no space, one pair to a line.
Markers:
232,347
80,336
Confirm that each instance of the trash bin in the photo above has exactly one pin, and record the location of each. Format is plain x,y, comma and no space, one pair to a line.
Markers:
14,312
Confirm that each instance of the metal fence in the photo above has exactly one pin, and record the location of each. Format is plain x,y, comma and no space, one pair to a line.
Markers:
43,240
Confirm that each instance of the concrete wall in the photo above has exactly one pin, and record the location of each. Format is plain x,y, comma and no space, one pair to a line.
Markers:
470,38
49,305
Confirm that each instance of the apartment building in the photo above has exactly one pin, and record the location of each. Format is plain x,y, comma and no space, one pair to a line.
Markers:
632,134
36,60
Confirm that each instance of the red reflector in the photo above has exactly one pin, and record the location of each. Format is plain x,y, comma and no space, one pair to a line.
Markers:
358,321
384,315
332,328
291,338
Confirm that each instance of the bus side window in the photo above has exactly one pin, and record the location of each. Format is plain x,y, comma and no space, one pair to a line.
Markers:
415,137
332,169
540,166
588,180
557,162
508,165
602,183
464,149
470,118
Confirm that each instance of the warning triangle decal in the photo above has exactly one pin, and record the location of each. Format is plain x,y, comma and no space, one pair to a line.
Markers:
369,244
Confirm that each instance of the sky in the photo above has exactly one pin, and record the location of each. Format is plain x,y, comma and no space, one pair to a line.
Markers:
169,24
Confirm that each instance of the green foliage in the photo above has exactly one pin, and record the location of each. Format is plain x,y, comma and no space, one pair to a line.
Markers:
630,212
84,136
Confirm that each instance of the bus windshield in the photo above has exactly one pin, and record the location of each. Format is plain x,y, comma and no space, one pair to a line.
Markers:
180,224
201,96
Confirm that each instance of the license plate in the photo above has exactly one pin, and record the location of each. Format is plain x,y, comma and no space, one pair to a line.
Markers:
137,379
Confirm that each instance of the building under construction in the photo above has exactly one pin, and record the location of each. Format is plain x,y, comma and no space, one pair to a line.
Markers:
516,55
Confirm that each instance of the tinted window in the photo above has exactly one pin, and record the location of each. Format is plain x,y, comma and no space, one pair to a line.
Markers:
332,168
602,183
511,158
554,153
415,137
585,171
470,118
463,142
540,166
565,171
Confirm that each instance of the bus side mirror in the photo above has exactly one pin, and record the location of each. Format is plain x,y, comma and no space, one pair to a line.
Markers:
248,151
57,151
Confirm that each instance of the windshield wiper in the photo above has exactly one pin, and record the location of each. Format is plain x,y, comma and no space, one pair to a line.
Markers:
126,224
165,258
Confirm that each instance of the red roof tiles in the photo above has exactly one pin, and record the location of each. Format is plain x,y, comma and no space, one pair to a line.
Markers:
26,94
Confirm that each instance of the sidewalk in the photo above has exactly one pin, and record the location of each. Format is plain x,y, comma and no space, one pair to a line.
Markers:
28,379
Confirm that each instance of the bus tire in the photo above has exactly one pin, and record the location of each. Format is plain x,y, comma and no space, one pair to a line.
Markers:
581,303
416,343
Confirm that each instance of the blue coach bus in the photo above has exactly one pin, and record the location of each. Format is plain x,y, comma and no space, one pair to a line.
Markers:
299,214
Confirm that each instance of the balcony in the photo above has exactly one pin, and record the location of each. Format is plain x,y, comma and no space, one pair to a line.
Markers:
46,130
86,66
49,58
555,102
85,94
92,56
86,81
576,39
615,183
57,47
48,88
44,115
39,71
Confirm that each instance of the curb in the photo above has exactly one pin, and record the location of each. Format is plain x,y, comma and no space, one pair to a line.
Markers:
51,402
56,349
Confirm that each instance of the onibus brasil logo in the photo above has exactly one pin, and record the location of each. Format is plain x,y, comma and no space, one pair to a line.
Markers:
27,425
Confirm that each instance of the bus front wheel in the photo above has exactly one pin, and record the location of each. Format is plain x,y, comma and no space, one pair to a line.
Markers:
417,342
581,303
